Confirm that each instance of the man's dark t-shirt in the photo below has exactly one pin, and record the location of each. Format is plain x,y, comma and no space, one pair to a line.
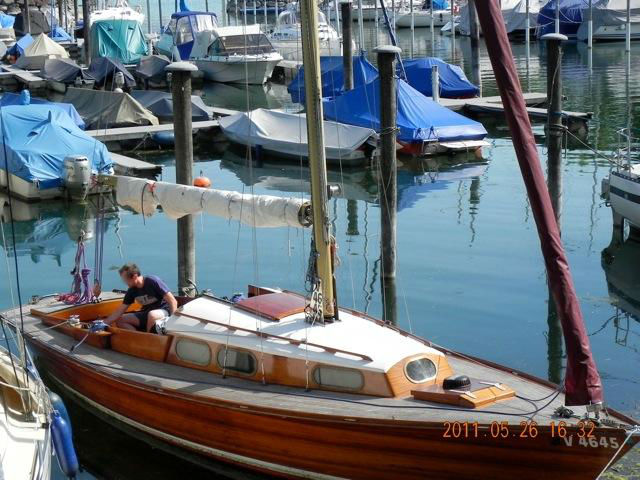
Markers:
150,295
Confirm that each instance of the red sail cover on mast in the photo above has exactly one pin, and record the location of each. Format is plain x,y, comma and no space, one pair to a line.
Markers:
582,382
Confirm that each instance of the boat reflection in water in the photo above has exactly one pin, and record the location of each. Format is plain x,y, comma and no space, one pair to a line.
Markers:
244,97
47,229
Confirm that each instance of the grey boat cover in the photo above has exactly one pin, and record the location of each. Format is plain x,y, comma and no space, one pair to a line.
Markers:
104,109
41,49
514,13
63,70
161,105
152,67
38,21
286,133
102,70
610,13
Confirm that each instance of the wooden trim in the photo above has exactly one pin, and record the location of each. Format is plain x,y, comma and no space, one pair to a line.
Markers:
402,386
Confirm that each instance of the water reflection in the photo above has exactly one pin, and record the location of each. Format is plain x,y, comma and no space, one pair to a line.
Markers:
245,97
47,229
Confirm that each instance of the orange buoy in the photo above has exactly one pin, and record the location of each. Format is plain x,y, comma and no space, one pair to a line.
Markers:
203,182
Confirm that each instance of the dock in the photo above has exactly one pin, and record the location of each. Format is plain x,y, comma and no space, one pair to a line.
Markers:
123,165
15,76
140,132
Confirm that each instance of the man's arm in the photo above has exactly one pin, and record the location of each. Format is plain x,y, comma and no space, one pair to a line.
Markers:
117,313
171,301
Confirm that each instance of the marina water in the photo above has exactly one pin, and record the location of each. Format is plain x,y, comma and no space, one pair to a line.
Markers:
470,271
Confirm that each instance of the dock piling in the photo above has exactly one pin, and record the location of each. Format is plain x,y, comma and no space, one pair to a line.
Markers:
590,25
388,177
435,84
181,96
149,20
347,44
555,129
85,32
474,26
75,16
628,28
27,16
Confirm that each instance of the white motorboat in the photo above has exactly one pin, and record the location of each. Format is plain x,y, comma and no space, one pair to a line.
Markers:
610,21
286,37
120,10
622,187
188,34
422,18
239,54
285,135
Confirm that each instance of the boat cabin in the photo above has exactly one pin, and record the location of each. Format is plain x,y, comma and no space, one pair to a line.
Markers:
240,40
266,338
183,31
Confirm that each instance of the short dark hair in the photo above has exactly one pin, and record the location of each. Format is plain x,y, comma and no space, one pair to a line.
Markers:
130,269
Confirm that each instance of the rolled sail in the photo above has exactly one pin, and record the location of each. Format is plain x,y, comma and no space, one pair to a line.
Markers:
144,196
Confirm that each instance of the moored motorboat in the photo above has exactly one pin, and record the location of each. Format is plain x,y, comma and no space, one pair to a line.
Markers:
118,10
440,11
240,54
186,31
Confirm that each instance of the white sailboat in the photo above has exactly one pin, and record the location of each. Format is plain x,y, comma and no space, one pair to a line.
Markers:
118,10
286,36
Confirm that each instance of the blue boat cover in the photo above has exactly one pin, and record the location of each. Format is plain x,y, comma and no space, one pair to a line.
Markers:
121,39
59,35
37,139
419,118
102,69
25,98
437,4
20,46
453,82
333,77
570,17
6,21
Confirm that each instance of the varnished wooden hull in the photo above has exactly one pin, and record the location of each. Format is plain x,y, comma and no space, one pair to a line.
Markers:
311,445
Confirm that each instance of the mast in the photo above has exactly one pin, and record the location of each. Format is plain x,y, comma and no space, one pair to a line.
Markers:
317,161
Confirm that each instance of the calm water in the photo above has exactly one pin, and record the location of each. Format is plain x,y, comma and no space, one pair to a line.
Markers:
470,272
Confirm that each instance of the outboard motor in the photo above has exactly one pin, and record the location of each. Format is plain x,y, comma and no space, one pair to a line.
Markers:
77,177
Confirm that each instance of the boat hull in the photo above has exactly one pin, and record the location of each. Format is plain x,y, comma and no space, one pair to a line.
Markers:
423,19
612,33
297,445
233,70
292,49
624,195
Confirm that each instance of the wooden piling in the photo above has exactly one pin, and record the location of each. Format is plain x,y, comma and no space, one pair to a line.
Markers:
555,129
75,15
181,96
85,32
347,44
474,25
27,16
388,174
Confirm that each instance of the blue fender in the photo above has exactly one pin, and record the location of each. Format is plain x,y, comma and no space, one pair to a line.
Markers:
58,404
63,445
164,138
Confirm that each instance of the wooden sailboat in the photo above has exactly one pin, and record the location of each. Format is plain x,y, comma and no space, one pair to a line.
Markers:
298,387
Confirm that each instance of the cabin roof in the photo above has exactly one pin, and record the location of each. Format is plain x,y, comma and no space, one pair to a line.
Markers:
189,14
373,346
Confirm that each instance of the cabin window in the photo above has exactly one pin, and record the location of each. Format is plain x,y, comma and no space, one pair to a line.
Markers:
183,31
171,27
420,370
345,378
203,23
193,352
250,44
237,360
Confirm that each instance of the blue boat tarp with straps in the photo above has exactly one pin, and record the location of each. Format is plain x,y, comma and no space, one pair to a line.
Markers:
25,98
419,119
37,139
571,16
453,81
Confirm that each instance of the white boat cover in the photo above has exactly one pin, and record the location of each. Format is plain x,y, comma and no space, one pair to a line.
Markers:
252,29
104,109
514,13
286,133
610,13
41,49
144,196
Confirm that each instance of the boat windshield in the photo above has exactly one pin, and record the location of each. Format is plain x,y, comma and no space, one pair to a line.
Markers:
203,23
250,44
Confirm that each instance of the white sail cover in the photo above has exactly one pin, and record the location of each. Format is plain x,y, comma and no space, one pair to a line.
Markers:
286,133
144,196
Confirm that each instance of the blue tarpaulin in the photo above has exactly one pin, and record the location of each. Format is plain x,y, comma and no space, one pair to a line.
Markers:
333,78
6,21
453,82
418,118
121,39
24,98
20,46
437,5
571,15
59,35
37,140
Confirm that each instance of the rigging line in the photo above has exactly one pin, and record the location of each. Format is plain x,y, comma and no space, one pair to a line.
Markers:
6,258
634,431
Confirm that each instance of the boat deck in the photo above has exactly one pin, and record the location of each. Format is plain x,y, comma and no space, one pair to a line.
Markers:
537,403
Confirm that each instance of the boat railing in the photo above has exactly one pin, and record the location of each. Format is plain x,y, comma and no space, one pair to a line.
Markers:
628,148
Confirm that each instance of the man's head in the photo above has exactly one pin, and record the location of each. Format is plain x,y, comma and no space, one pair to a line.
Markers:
130,274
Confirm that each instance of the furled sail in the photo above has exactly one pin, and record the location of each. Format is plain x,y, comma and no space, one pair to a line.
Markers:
144,196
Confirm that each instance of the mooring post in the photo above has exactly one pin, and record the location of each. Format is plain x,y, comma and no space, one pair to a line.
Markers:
75,17
86,31
590,25
557,20
182,129
555,129
27,16
347,43
60,13
527,24
149,20
160,14
474,25
628,28
388,183
435,84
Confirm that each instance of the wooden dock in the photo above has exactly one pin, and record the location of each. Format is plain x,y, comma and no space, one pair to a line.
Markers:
123,165
10,75
138,133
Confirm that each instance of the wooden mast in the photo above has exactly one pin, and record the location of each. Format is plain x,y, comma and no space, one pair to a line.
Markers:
317,160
